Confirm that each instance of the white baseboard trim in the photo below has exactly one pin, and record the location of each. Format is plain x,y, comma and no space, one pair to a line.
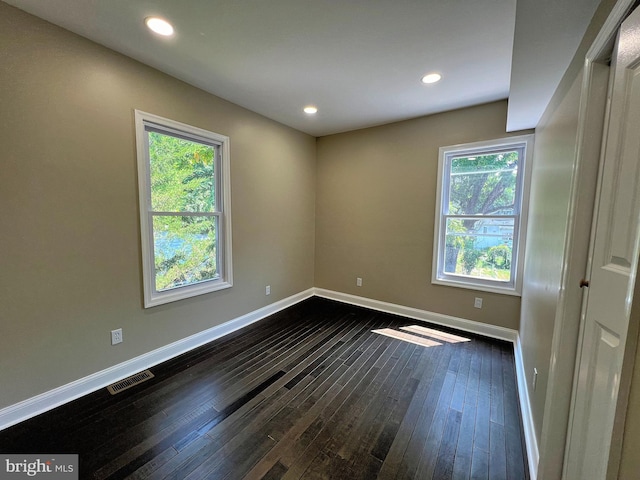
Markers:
479,328
58,396
487,330
533,455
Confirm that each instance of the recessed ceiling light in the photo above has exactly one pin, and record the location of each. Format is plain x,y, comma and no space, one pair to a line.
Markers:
310,109
431,78
159,26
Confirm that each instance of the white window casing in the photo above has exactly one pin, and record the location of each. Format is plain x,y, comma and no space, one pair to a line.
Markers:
489,225
219,215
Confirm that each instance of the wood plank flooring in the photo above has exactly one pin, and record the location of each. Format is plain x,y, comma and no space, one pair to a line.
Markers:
309,393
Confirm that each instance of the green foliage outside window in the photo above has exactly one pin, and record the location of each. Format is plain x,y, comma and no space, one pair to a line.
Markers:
465,258
470,256
483,185
480,185
499,257
182,181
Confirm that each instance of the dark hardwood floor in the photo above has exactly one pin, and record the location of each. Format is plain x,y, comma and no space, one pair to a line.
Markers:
309,393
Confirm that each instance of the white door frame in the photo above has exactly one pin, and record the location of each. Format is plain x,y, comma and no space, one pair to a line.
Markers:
565,351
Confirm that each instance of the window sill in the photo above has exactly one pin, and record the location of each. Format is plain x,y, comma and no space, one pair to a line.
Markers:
478,287
160,298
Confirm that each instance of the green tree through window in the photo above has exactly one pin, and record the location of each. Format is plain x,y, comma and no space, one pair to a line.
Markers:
480,185
479,213
183,173
182,180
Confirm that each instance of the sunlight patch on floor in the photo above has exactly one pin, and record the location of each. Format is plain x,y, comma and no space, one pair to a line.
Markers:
436,334
407,337
427,337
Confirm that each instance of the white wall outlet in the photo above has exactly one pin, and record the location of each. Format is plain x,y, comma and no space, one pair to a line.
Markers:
535,378
358,282
478,302
267,290
116,336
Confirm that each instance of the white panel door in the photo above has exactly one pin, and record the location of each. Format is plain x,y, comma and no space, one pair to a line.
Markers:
613,268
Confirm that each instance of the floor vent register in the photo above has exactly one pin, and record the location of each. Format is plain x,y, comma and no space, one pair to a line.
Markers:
129,382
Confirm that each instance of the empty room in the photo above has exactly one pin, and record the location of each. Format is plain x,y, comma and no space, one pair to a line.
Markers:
315,239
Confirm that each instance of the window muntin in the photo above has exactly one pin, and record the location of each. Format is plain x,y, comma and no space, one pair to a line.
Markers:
184,209
479,215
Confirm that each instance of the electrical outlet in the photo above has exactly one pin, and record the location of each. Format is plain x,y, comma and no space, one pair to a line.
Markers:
267,290
535,378
358,282
116,336
478,302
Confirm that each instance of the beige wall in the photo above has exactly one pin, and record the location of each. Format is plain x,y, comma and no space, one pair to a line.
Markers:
553,166
69,241
375,213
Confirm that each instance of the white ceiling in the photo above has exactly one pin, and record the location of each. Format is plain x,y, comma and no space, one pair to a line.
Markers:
359,61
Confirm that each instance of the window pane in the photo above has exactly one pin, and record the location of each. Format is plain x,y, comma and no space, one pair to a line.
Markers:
184,250
483,184
479,248
182,174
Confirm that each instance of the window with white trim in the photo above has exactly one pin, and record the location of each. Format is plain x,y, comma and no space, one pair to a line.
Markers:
481,214
184,194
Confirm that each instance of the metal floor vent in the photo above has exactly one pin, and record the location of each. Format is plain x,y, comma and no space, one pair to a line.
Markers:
129,382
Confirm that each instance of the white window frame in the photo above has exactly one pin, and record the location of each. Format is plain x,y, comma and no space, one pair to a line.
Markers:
446,154
153,297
